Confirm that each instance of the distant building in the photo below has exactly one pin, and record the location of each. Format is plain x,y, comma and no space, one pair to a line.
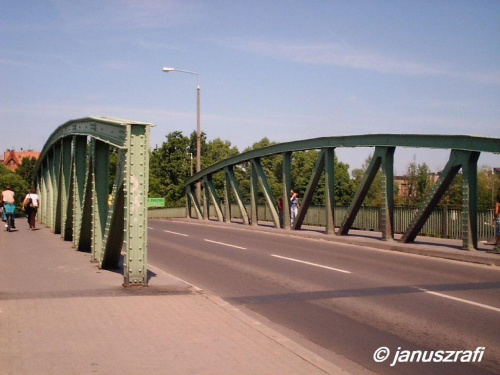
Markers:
13,159
404,184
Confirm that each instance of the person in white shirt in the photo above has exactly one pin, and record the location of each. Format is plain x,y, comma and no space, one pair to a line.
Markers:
31,203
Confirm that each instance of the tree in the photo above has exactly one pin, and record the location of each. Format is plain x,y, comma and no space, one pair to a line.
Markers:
26,170
169,168
419,182
271,165
374,196
216,151
16,182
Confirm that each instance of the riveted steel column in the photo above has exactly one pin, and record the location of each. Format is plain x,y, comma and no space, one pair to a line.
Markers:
66,190
311,187
387,207
330,190
237,193
100,166
42,190
268,195
50,190
136,186
113,235
79,174
206,202
469,199
57,189
227,197
85,238
449,172
253,194
211,192
367,181
192,200
287,187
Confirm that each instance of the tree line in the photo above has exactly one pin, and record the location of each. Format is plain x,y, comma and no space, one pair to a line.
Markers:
171,165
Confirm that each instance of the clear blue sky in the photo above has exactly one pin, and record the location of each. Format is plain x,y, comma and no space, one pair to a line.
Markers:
286,70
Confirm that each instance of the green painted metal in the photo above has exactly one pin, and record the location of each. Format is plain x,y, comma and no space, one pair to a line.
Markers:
287,188
233,185
311,188
100,166
66,189
445,142
458,159
465,151
227,197
212,193
262,179
330,190
192,201
254,188
383,161
387,208
72,180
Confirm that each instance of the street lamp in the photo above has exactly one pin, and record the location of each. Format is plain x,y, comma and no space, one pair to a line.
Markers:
198,128
191,156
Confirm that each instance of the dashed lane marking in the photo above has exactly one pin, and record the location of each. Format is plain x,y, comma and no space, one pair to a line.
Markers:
311,264
226,244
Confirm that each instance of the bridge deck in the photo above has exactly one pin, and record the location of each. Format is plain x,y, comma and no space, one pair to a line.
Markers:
60,314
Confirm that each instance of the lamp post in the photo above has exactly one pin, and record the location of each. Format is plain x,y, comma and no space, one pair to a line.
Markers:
191,156
198,123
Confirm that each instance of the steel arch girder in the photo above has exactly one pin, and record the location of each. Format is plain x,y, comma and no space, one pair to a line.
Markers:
74,191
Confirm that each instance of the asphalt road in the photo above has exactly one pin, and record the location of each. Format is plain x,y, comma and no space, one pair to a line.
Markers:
344,302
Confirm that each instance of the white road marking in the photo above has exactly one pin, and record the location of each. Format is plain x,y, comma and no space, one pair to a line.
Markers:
226,244
311,264
458,299
179,234
150,228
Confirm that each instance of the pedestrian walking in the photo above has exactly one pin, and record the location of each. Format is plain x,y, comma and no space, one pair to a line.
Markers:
294,207
31,204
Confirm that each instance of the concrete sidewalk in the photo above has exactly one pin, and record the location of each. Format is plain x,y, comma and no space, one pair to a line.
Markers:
59,314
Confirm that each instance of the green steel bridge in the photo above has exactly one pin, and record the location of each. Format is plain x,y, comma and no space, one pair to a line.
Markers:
72,179
464,154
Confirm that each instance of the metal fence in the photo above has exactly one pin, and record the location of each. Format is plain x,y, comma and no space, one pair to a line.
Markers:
443,222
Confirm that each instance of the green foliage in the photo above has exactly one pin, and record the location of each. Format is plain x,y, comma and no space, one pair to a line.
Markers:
419,182
214,152
374,196
17,183
169,168
113,163
271,165
26,170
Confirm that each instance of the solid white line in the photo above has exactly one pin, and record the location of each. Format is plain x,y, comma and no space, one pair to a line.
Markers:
311,264
179,234
458,299
226,244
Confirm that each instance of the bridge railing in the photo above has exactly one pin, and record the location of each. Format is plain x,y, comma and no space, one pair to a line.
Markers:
72,179
464,153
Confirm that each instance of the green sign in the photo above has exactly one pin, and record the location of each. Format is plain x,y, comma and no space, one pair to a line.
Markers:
156,202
